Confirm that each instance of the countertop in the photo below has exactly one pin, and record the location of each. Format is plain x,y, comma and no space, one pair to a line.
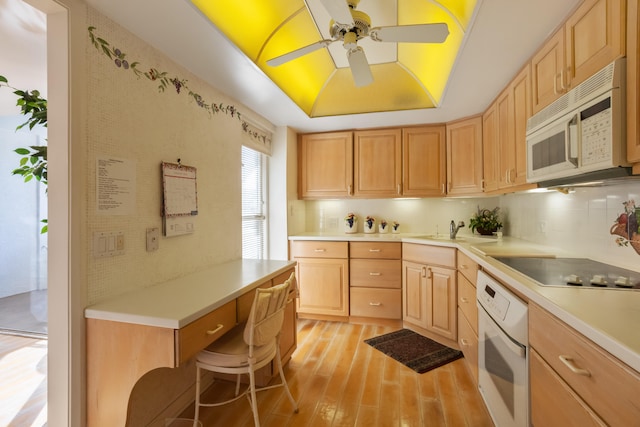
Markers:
178,302
608,317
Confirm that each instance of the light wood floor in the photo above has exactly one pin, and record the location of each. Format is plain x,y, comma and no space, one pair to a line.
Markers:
339,380
23,381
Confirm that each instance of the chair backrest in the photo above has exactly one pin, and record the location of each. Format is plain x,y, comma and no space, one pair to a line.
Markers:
267,313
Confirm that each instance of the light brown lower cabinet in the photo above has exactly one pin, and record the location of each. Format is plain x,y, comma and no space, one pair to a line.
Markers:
468,322
573,378
323,278
553,402
429,289
375,282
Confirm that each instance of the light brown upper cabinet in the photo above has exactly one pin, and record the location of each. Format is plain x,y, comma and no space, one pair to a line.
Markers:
633,85
325,165
521,94
490,148
377,163
592,37
424,161
464,156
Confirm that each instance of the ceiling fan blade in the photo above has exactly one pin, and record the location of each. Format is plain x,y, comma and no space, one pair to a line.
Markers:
339,11
359,67
279,60
421,33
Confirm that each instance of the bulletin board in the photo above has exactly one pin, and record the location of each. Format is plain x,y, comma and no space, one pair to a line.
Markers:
180,199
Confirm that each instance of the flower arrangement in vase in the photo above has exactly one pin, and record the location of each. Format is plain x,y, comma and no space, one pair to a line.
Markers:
350,223
370,224
395,228
383,227
486,221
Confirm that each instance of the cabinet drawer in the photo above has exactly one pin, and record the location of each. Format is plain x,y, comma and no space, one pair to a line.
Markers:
428,254
553,402
384,250
468,341
375,302
467,301
199,334
369,273
319,249
608,386
468,267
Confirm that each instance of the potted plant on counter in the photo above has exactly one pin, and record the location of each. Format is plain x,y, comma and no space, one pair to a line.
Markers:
486,221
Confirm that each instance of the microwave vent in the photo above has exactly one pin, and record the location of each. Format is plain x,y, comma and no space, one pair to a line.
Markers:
557,107
597,84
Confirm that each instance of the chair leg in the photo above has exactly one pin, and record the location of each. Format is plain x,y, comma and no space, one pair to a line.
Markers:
197,414
284,381
237,384
253,400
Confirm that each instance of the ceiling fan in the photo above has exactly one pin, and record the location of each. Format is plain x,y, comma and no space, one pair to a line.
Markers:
350,25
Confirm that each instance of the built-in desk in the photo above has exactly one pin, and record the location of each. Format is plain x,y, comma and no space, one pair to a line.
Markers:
162,326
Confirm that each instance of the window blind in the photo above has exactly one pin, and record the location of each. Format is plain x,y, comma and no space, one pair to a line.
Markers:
253,206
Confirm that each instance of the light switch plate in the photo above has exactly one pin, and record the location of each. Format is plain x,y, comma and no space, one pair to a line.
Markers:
153,239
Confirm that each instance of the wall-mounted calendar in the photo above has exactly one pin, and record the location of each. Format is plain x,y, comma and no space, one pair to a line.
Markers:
180,199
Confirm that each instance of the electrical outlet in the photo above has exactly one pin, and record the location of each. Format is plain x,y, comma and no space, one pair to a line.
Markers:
153,239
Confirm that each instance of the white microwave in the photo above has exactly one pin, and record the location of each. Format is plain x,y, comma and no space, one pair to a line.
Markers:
582,134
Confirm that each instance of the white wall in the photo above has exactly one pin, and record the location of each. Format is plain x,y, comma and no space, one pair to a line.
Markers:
578,222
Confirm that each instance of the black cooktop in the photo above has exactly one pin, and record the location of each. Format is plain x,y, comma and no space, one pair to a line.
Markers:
574,272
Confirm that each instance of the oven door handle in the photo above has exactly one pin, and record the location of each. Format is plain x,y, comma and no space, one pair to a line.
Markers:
512,345
515,347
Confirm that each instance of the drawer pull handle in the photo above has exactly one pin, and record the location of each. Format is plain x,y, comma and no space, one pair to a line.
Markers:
374,250
568,361
464,300
374,274
463,266
216,330
375,304
464,342
320,250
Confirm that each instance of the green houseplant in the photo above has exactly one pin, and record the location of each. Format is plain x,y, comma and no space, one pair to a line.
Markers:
486,221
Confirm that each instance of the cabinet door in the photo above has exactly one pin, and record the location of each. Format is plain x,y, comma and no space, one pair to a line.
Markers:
325,165
506,143
547,72
464,156
521,93
633,83
553,403
323,286
595,36
414,297
378,163
424,161
441,302
490,148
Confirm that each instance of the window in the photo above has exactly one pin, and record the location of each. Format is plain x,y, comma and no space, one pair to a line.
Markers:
253,205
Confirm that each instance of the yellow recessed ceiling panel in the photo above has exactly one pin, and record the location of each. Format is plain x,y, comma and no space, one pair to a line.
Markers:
407,76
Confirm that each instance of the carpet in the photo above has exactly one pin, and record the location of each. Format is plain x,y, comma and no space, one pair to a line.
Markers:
413,350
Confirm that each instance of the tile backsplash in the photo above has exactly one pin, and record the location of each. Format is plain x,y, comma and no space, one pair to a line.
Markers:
578,222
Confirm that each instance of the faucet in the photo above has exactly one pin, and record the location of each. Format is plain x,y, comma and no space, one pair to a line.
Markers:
453,229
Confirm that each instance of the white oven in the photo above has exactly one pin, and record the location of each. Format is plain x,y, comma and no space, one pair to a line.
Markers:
503,356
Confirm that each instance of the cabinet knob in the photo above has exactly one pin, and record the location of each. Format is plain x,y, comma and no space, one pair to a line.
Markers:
464,300
464,342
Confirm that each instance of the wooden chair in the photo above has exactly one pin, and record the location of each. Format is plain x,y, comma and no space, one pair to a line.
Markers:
248,347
